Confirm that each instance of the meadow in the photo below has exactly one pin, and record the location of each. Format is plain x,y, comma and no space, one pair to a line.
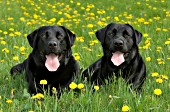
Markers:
18,18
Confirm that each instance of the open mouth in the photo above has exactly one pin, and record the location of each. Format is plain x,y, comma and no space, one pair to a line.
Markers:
52,61
117,58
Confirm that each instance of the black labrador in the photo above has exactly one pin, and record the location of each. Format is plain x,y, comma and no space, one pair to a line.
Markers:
121,56
51,59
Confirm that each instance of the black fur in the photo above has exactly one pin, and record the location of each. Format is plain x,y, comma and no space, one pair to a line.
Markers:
34,65
133,69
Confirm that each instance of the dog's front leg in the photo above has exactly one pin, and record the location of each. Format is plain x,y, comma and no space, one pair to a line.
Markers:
19,68
135,74
33,87
93,72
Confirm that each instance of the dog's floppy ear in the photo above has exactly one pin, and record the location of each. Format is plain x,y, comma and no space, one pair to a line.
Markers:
137,35
70,35
32,37
101,33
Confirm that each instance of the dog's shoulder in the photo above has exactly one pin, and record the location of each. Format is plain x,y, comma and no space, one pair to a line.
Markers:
74,64
93,68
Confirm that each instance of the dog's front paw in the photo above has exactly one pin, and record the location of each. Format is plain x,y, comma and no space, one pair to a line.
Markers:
16,70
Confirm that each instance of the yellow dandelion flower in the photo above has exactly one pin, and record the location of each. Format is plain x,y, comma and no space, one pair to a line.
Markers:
22,7
87,9
15,58
165,77
160,61
159,47
3,42
35,16
90,25
78,3
11,29
25,35
147,41
2,61
16,47
96,88
167,42
17,33
158,29
52,20
54,90
10,18
154,8
148,44
73,85
91,44
82,8
138,3
110,96
145,35
11,35
148,58
38,96
31,111
77,56
165,30
43,82
116,18
9,101
125,108
22,19
100,23
81,40
91,33
5,50
0,97
23,53
146,23
5,32
12,24
159,80
96,41
80,86
157,92
155,74
22,48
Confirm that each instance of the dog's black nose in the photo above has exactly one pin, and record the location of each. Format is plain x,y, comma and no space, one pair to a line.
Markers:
118,43
52,44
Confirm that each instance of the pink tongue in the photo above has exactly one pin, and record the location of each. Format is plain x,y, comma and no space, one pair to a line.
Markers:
117,58
52,62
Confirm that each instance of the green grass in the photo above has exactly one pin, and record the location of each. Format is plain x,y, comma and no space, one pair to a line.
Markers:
144,15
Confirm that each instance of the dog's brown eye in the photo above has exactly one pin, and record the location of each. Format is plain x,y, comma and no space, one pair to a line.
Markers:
59,36
109,33
112,33
126,34
44,36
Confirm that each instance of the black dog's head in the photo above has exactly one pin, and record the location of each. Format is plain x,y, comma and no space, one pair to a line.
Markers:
52,45
118,40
